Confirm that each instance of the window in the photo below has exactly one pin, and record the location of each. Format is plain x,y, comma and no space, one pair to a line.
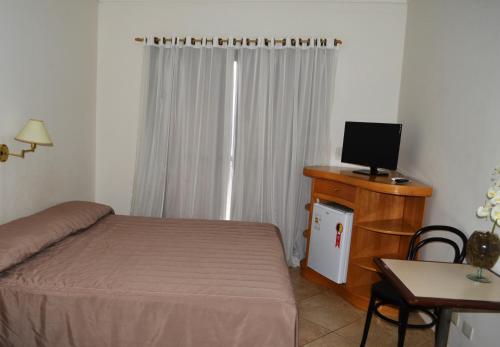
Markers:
233,140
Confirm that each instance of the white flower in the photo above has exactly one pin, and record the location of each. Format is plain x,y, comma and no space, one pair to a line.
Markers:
484,211
492,206
495,201
493,192
495,214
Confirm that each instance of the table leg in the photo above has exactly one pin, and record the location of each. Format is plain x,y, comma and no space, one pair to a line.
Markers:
443,328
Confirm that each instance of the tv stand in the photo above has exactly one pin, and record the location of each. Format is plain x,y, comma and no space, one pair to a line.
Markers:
372,172
386,216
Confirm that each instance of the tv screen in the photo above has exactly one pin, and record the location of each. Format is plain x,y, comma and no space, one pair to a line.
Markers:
372,144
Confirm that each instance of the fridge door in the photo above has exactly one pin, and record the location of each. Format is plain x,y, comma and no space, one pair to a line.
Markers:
330,242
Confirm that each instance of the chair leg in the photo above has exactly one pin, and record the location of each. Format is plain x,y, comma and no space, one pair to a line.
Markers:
403,323
437,313
369,314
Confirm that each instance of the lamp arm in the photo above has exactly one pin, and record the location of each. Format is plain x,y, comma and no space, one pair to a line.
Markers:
5,153
24,151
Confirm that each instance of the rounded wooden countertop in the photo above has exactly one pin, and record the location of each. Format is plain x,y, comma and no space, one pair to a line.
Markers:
381,184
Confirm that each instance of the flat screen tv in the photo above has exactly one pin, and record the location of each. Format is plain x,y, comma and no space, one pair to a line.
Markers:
372,144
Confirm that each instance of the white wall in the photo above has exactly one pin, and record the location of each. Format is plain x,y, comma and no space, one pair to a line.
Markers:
368,74
450,108
47,71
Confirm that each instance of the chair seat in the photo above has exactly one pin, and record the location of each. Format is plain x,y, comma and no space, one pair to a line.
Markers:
388,294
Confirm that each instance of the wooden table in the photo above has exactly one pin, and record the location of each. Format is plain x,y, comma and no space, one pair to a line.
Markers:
443,285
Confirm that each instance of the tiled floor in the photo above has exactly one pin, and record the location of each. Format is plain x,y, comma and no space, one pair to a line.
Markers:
326,320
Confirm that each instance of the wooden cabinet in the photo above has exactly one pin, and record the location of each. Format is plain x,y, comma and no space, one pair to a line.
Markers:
386,215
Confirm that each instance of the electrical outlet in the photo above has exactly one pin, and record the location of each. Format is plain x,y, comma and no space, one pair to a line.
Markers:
455,318
467,330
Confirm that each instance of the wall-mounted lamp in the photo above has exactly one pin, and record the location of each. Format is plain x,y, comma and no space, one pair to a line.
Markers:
34,133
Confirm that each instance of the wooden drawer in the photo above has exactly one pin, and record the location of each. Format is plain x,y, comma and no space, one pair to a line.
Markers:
335,189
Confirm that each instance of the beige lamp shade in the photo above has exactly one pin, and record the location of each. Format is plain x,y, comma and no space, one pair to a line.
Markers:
34,132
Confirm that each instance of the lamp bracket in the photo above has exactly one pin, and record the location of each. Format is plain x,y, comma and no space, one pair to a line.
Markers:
4,153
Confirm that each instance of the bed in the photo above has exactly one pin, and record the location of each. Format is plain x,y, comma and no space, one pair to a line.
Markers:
78,275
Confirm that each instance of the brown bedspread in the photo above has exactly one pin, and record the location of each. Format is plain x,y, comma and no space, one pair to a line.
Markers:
131,281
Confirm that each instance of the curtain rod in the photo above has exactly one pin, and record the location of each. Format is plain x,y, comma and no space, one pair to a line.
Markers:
221,41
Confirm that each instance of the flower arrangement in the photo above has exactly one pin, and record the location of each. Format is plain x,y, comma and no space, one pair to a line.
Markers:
483,248
491,208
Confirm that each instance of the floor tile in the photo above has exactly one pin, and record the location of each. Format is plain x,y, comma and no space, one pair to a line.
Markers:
382,333
303,288
295,274
379,332
326,297
331,340
309,331
329,312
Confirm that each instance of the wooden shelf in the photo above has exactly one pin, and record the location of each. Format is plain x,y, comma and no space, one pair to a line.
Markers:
368,264
379,208
362,291
332,198
389,226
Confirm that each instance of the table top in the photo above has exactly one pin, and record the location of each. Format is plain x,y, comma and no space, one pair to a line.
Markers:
435,284
381,184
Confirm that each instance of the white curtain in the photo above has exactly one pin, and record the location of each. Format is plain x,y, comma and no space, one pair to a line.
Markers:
283,124
185,137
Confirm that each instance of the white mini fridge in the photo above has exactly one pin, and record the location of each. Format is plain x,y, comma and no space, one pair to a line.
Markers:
330,241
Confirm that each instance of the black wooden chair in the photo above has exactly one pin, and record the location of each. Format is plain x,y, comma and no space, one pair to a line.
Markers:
382,293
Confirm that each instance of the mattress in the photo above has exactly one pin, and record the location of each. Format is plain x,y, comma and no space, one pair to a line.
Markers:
134,281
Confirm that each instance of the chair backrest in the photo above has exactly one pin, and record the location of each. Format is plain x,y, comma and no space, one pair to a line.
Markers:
416,244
